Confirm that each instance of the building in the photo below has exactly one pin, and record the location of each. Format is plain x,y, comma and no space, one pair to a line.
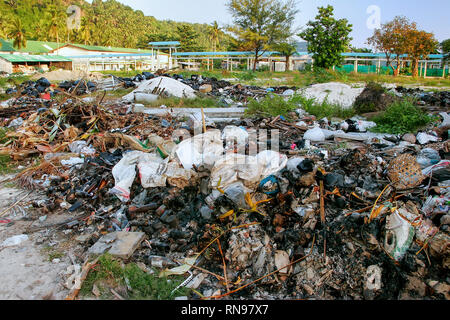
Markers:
32,47
101,58
11,63
92,58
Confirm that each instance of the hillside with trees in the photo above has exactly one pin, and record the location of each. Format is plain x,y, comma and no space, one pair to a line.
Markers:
105,23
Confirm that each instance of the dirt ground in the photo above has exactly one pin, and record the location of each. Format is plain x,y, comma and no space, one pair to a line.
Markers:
26,269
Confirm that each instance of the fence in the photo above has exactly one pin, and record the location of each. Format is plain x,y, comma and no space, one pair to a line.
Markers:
348,68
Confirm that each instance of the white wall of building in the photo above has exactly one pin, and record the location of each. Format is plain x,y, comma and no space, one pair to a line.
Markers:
6,66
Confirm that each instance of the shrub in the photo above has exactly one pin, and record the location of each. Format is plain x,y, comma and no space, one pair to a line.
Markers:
401,117
322,110
271,105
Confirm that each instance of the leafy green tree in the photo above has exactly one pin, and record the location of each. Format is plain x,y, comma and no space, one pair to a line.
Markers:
259,24
445,46
419,45
57,20
18,33
360,50
188,38
287,50
392,40
3,27
327,38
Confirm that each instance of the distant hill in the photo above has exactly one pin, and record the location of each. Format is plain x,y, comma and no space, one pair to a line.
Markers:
302,46
103,23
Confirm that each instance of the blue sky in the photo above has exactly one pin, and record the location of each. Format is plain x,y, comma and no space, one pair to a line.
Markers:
432,15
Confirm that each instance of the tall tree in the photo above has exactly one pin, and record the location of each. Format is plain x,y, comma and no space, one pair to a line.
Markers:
214,35
188,38
419,45
327,38
3,27
259,24
287,50
392,40
18,33
57,20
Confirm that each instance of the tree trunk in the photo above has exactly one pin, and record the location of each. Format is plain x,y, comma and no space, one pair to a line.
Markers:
255,62
415,68
397,68
287,63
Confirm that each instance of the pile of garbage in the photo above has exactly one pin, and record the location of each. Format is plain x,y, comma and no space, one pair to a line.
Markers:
257,208
287,215
435,99
42,88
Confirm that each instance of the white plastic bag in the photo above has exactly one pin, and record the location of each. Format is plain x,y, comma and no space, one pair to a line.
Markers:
124,173
232,134
250,170
315,135
203,149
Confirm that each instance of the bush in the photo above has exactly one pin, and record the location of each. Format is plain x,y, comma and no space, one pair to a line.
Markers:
373,98
322,110
401,117
247,76
270,106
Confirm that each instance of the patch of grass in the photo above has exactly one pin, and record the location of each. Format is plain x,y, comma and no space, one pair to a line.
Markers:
270,106
6,165
247,76
52,253
118,93
123,74
13,80
174,102
110,273
401,117
322,110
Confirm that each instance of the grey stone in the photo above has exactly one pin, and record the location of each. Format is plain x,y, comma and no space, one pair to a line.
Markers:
119,244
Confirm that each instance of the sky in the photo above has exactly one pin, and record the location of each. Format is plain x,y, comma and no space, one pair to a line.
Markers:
431,15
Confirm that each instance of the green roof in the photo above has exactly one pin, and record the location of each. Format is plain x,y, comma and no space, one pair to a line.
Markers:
32,58
40,47
36,47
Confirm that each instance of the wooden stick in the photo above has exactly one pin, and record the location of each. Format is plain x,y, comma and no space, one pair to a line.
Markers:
322,219
203,121
84,273
12,206
224,266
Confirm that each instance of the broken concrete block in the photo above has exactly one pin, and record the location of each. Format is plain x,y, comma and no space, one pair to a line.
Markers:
205,88
119,244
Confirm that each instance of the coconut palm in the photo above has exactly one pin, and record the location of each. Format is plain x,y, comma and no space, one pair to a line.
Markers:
85,32
214,34
18,33
57,19
287,50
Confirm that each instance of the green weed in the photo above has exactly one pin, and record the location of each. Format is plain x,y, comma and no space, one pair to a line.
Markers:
110,273
401,117
271,105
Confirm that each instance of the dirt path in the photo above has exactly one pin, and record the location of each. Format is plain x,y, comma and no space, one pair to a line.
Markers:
26,269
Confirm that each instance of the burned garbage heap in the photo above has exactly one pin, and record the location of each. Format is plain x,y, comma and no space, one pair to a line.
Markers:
254,209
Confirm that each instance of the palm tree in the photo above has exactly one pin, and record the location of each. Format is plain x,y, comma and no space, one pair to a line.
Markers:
287,50
214,34
41,29
56,22
18,33
3,33
85,32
